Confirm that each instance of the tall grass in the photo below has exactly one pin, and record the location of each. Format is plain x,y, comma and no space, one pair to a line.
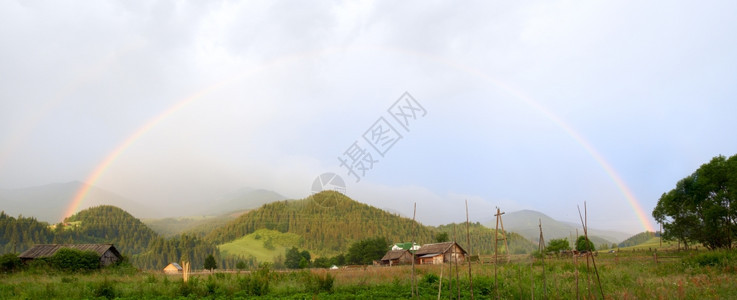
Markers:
677,275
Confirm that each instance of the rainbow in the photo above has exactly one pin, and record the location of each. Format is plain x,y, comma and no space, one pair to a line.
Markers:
100,169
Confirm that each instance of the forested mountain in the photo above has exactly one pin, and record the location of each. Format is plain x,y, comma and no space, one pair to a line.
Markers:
638,239
19,234
329,222
162,251
109,224
482,239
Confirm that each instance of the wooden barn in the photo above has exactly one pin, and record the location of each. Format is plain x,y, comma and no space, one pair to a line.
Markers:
439,253
108,254
396,257
173,268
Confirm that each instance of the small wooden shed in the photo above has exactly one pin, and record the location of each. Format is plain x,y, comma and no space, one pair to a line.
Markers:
108,254
173,268
396,257
440,253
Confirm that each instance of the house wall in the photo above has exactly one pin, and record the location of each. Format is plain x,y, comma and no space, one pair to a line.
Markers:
171,269
108,258
450,256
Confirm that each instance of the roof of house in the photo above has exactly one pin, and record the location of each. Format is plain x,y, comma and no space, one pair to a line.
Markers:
437,248
405,246
46,250
176,265
430,255
393,254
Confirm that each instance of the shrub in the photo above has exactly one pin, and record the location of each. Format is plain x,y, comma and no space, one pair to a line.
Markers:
10,262
256,283
713,259
430,278
71,260
104,289
317,283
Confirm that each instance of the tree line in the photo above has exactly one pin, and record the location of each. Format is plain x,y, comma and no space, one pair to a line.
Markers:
702,207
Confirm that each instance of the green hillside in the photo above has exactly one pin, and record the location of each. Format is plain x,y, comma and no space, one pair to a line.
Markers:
637,239
110,224
328,222
263,244
482,239
21,233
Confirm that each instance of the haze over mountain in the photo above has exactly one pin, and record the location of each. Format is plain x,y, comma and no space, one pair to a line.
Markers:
525,222
49,202
245,198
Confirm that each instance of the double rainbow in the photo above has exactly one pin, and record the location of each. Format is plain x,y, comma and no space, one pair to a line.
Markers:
100,169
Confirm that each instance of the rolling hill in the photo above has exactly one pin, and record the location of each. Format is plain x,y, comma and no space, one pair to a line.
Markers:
49,202
325,229
525,222
329,230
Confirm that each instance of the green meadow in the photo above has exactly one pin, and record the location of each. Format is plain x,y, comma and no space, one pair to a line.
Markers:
263,244
627,274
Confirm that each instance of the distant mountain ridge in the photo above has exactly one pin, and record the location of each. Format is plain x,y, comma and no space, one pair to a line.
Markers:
525,222
49,202
244,199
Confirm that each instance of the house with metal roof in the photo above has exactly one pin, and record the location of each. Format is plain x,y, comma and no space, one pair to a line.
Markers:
173,268
396,257
108,254
439,253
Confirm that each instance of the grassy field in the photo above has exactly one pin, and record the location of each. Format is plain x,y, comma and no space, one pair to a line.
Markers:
630,274
253,245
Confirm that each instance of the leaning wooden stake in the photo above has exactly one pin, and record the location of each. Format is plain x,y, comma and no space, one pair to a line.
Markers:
575,263
585,232
468,240
440,283
541,248
185,271
455,260
412,244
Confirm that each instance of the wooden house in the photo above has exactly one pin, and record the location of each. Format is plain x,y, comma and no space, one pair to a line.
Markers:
173,268
396,257
439,253
108,254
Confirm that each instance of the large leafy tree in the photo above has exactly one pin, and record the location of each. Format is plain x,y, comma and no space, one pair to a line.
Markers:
584,244
701,208
364,252
210,263
557,245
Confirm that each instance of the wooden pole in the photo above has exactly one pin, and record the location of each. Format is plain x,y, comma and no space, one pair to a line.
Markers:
496,251
468,240
504,235
412,244
585,232
440,284
541,248
455,259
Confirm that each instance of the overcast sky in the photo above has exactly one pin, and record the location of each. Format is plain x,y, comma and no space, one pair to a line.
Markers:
267,94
